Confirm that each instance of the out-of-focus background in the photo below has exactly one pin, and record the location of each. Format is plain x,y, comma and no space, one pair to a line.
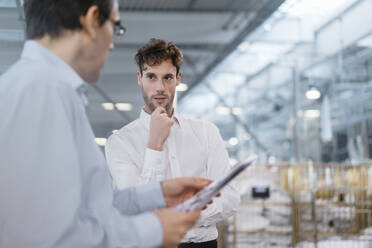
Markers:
289,80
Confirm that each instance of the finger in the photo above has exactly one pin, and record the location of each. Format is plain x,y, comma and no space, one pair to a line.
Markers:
156,111
202,183
189,218
161,109
196,183
206,206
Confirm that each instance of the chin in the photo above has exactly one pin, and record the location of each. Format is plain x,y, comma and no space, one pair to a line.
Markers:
92,78
161,105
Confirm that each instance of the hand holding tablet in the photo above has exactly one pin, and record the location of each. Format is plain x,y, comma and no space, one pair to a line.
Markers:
201,199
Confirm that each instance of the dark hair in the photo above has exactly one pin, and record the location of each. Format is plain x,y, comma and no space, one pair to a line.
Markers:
53,16
156,51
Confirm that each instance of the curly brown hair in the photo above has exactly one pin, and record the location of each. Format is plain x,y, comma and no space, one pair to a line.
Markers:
157,51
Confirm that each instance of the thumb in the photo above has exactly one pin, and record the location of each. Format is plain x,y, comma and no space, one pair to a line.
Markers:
196,183
202,182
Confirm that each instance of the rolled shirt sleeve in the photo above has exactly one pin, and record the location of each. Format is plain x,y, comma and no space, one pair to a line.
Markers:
122,166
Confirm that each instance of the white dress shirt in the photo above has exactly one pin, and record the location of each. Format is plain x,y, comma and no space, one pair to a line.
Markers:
55,188
193,149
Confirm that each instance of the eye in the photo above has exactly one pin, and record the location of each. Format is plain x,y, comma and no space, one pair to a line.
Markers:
168,78
150,76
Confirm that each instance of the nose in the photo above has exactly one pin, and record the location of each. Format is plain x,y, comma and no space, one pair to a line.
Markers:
159,86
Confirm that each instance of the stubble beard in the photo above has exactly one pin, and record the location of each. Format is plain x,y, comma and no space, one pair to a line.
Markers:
151,106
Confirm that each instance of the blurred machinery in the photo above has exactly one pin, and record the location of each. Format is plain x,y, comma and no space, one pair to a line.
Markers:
303,205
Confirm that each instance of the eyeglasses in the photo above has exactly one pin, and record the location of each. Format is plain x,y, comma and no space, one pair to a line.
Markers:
119,30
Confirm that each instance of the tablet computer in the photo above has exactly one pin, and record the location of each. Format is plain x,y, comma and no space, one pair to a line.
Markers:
201,199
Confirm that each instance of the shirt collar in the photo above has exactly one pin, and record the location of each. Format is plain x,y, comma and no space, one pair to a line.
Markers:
145,118
66,74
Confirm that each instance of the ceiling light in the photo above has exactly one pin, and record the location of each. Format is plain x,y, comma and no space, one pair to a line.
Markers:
233,141
123,106
313,94
101,141
182,87
114,131
312,113
107,106
237,111
222,110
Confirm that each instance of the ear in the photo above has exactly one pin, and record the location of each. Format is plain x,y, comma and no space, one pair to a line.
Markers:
90,22
179,76
139,78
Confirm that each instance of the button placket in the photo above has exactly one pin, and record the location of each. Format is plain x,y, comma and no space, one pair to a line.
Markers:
172,155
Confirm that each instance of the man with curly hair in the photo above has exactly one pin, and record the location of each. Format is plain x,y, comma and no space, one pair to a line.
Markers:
161,144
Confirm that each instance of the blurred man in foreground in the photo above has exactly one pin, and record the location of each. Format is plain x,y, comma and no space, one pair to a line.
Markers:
55,189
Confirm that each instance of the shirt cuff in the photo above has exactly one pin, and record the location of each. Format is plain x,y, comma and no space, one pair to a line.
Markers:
153,160
151,196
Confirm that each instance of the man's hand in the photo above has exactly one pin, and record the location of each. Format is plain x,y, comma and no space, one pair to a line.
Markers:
178,190
160,126
175,224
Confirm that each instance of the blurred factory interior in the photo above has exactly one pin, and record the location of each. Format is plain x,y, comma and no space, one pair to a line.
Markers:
289,80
